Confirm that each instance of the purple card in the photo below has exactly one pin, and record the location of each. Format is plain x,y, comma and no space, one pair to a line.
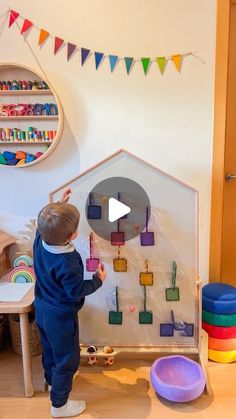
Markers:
92,264
166,329
147,238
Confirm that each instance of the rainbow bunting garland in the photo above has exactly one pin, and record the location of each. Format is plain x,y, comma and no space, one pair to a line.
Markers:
21,275
161,62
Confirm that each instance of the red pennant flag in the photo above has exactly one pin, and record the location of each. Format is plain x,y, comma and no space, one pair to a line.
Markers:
42,36
70,50
58,44
13,16
26,25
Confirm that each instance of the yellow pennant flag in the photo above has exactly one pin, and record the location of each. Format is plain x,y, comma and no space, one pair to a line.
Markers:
177,60
42,36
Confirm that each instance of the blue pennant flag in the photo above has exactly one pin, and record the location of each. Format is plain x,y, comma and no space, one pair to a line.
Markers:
98,58
128,63
113,61
84,54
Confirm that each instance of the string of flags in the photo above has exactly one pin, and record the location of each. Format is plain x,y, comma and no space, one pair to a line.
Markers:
85,53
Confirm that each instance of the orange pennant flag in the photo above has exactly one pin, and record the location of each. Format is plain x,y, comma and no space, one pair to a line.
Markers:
42,36
177,60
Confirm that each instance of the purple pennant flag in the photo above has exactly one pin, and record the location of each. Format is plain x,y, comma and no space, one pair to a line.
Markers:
98,58
84,54
70,50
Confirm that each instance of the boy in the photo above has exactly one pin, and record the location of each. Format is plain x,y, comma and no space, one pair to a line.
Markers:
60,292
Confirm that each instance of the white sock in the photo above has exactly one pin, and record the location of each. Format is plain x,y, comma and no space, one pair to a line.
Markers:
71,408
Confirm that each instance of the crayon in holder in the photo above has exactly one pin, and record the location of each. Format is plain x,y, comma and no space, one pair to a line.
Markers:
94,212
91,262
145,317
118,237
146,278
147,237
172,294
116,317
119,264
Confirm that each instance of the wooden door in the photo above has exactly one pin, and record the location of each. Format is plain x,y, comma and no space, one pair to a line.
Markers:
228,262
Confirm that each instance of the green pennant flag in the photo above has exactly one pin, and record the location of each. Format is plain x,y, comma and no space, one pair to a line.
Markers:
145,64
128,63
161,62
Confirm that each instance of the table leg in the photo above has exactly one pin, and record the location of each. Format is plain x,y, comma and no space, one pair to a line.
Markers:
26,358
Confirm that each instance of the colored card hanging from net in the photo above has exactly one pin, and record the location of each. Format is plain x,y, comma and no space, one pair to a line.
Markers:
147,237
116,317
183,328
145,317
119,263
94,212
118,237
91,262
146,278
119,199
172,294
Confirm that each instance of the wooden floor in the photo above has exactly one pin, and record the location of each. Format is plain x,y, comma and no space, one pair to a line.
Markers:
119,392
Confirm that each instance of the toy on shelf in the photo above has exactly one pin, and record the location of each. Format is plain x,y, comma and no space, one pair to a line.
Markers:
119,264
107,350
94,212
109,360
177,378
23,260
28,109
23,85
184,329
115,317
146,278
145,317
20,158
91,262
172,294
30,135
118,237
147,237
21,275
92,359
6,241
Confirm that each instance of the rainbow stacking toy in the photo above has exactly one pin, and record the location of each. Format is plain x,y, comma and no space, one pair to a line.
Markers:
21,275
219,321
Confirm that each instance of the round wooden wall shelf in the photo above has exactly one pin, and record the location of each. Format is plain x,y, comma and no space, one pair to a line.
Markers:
31,117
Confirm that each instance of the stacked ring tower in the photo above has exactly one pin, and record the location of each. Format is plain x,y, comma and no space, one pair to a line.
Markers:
219,321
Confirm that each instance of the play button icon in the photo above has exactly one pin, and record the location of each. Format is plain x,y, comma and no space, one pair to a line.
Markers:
116,210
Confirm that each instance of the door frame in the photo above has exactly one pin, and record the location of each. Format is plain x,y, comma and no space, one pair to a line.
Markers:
218,159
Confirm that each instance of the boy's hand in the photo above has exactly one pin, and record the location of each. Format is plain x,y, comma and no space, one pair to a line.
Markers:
66,196
101,273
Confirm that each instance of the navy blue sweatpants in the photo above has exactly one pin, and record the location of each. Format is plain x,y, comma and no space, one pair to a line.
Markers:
61,352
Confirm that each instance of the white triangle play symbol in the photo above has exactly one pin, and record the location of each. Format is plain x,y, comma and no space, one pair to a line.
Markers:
116,209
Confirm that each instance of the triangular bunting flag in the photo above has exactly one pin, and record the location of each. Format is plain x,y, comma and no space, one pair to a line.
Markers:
161,62
42,36
177,60
26,25
128,63
13,16
58,44
84,54
98,58
70,50
145,64
113,61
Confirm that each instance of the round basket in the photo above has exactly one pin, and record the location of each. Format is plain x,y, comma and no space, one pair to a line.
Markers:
34,336
3,320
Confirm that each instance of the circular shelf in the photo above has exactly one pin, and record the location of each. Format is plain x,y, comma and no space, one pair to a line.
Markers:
43,123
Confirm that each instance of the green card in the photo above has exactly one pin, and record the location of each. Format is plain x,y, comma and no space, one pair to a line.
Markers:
172,294
145,317
115,317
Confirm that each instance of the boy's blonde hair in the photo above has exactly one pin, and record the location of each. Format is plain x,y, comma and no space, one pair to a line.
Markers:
57,222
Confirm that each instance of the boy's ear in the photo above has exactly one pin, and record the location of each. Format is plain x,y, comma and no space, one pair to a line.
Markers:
73,236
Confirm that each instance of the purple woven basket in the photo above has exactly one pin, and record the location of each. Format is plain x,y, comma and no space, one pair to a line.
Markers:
177,378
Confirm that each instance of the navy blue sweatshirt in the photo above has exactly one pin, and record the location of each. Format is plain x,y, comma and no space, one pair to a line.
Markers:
60,284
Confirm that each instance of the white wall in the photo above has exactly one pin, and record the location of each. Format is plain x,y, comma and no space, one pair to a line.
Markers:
167,119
